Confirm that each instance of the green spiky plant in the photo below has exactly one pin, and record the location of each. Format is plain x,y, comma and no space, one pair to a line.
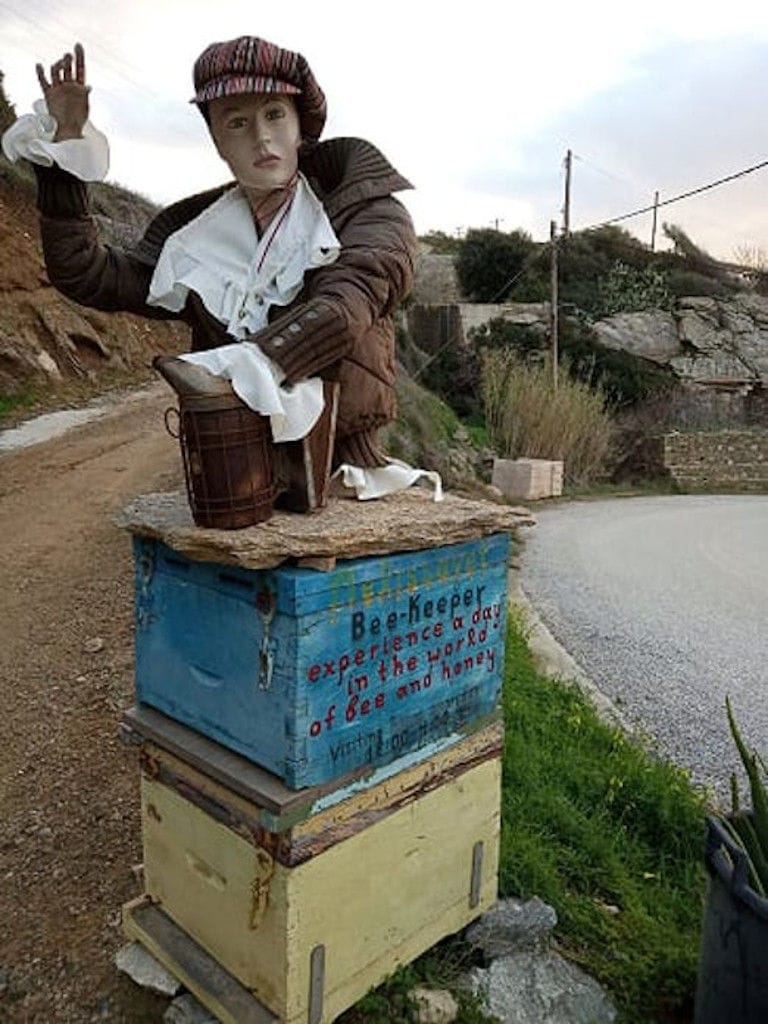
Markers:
750,829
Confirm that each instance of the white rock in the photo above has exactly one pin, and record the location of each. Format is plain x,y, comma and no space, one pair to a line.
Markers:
511,926
48,364
142,968
187,1010
434,1006
529,988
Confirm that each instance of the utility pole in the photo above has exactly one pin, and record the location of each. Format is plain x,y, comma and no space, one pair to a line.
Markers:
496,222
553,320
567,203
655,215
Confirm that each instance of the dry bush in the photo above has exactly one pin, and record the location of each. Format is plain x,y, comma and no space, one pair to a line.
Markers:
527,418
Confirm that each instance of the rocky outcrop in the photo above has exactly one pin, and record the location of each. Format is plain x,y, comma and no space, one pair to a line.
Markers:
713,342
47,341
720,343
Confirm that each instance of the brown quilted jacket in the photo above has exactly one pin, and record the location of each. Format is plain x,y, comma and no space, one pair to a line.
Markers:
339,326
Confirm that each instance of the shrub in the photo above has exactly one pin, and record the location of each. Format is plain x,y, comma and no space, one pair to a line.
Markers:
690,282
7,110
489,260
441,243
527,417
624,378
625,289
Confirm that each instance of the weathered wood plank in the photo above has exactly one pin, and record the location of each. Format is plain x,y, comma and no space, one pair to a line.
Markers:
316,676
324,820
374,901
238,773
205,978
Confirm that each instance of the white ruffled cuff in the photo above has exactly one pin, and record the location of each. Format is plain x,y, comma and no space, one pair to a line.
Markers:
30,137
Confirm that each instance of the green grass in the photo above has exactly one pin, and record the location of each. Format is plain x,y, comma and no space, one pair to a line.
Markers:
602,830
12,403
592,821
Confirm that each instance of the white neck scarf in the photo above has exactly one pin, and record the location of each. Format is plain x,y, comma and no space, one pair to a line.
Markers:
237,275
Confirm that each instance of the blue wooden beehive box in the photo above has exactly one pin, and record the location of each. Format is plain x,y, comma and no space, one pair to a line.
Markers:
316,675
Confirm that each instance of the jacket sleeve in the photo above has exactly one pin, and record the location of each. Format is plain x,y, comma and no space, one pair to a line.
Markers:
373,273
78,264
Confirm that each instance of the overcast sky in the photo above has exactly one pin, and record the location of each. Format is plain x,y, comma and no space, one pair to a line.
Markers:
475,103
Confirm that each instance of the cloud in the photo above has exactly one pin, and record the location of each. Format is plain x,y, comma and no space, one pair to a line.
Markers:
688,115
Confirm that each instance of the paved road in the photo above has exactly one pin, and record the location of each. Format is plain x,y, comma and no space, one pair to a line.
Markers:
664,603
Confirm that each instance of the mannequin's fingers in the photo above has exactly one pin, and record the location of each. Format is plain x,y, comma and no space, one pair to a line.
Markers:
66,67
79,64
45,85
56,72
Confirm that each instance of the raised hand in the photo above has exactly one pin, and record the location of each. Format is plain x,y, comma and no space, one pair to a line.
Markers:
66,95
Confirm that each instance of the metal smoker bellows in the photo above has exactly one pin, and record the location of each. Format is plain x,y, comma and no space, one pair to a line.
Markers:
235,474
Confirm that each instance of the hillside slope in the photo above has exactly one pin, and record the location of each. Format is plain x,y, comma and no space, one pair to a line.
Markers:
51,347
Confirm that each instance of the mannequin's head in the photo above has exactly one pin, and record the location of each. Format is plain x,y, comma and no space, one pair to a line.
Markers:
250,66
258,136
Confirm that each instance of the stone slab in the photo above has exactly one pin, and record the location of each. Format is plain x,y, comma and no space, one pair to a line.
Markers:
407,521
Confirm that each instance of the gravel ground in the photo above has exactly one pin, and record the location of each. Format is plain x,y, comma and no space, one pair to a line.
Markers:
68,788
663,602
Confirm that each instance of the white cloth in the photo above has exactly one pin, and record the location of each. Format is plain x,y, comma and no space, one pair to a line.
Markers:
256,381
375,483
30,137
238,275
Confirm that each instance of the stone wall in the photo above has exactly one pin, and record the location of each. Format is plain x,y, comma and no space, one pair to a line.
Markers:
727,460
432,326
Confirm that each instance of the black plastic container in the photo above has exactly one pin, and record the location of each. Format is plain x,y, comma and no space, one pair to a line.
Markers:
733,968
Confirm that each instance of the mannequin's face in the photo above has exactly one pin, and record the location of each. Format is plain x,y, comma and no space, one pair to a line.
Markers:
258,136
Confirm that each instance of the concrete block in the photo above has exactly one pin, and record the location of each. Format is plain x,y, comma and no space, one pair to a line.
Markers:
528,479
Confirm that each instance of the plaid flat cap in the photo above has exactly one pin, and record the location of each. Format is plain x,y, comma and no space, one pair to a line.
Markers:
249,65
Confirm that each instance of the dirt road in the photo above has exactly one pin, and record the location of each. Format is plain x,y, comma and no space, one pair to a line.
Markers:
69,831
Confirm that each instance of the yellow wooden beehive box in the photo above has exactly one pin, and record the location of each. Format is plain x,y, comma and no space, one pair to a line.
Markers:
308,918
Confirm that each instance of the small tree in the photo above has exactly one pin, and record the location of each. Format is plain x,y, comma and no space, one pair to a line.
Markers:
7,111
488,261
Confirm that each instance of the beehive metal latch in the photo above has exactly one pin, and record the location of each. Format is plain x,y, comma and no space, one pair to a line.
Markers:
316,985
477,874
266,604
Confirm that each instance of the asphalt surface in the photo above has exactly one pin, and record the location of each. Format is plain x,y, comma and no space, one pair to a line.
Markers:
664,604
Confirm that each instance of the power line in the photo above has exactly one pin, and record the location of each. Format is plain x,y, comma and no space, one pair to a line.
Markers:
106,56
634,185
683,195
